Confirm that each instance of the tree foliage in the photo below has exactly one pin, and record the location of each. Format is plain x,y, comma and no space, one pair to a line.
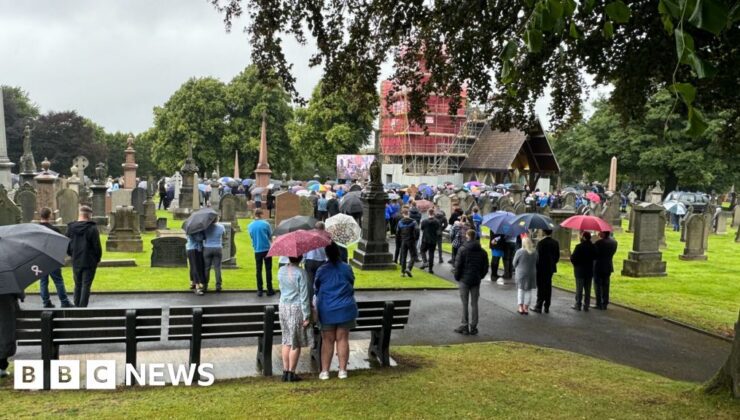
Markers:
527,45
332,124
19,112
658,148
62,136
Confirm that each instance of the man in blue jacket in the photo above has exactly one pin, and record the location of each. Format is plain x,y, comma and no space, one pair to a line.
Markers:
261,233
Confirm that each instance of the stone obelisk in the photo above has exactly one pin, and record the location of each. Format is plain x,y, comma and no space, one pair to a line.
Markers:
6,178
189,188
612,186
236,164
28,164
129,167
262,173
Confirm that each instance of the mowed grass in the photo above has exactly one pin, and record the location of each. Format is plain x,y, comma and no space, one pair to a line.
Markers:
145,278
486,380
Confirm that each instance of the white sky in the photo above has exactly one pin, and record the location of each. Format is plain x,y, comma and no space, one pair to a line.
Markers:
113,61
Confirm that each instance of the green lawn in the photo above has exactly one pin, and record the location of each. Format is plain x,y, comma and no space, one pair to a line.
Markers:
486,380
143,277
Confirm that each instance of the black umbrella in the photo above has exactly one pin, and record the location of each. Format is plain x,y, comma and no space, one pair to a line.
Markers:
351,203
28,251
199,220
533,221
295,223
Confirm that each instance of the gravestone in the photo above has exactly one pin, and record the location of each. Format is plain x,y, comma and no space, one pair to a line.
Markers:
737,236
656,194
169,252
120,198
162,223
176,181
242,209
519,208
516,191
562,235
100,198
372,251
25,198
67,203
228,211
663,219
445,204
708,219
467,203
10,214
196,191
46,188
610,212
631,218
287,205
125,235
720,228
505,204
305,207
168,233
736,216
138,196
215,197
228,258
694,227
645,258
569,200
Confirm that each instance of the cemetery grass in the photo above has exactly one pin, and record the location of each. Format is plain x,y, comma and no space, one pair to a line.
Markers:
145,278
483,380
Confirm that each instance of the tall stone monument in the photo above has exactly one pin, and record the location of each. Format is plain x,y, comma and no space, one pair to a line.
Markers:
46,194
125,235
612,185
98,197
645,259
215,196
6,165
262,173
372,251
73,182
188,188
28,164
129,166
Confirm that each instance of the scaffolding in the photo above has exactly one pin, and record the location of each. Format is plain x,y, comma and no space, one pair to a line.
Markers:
440,146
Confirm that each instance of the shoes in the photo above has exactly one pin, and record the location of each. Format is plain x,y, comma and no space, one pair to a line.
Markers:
474,331
463,329
218,289
539,311
270,293
431,271
192,287
49,305
292,377
260,293
324,376
449,261
67,305
403,273
199,292
525,313
408,273
547,310
585,308
342,374
576,307
3,373
285,376
424,265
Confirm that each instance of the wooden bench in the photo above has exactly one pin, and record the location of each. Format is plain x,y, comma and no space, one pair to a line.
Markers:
52,328
199,323
380,318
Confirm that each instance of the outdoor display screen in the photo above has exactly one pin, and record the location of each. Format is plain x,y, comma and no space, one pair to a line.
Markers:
354,166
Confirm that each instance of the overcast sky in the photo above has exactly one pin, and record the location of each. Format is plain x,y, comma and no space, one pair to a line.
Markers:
113,61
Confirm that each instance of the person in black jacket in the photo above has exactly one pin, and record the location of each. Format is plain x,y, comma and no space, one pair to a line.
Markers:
442,219
429,237
471,265
548,251
583,258
606,247
8,310
56,275
407,232
84,248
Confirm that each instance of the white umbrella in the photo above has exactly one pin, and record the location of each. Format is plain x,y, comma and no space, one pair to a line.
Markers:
343,229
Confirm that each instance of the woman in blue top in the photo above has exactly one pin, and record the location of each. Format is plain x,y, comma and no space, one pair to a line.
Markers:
337,308
295,315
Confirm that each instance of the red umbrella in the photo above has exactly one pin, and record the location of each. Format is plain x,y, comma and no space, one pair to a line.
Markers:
592,196
586,223
424,205
297,243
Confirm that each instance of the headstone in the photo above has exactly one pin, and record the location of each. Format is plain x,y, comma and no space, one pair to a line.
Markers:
610,212
445,204
129,166
150,207
656,194
162,223
287,205
188,190
46,188
228,258
176,180
737,236
125,235
708,216
485,205
645,258
196,191
695,227
100,198
67,203
242,209
26,200
169,252
28,164
631,218
228,211
372,251
120,198
138,197
662,219
505,204
467,203
10,214
519,208
305,207
562,235
215,197
736,216
517,193
569,200
720,227
169,233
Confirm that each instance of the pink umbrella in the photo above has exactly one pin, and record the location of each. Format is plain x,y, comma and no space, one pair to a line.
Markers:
592,196
587,223
299,242
424,205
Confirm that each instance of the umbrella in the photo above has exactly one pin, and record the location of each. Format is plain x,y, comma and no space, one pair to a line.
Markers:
343,229
472,184
393,196
199,220
257,190
392,186
297,188
529,221
312,182
674,207
424,205
297,243
586,223
247,182
351,203
225,180
29,251
592,196
314,187
495,194
142,184
295,223
330,182
499,222
302,193
202,187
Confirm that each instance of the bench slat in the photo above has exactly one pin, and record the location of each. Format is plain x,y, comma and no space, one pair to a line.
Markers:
88,312
219,309
218,319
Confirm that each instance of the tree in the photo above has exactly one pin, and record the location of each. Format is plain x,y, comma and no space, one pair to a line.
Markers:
19,112
728,377
196,112
638,46
332,124
656,149
61,136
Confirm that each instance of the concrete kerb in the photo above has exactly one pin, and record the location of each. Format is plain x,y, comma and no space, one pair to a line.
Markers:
152,292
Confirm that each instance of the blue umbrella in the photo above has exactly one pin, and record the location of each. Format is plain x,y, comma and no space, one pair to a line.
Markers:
202,187
225,179
313,182
247,182
314,187
499,222
529,221
392,186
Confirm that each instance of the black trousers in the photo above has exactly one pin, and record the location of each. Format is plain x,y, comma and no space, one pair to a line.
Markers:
439,248
83,277
494,267
197,267
427,253
261,258
583,291
312,266
397,251
544,289
406,249
601,284
509,260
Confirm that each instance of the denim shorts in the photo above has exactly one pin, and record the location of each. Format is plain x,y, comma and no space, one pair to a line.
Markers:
346,325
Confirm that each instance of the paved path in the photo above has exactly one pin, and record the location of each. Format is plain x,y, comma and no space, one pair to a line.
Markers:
618,335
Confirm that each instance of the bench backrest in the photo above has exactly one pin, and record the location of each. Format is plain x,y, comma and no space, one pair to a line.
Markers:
220,321
371,314
88,326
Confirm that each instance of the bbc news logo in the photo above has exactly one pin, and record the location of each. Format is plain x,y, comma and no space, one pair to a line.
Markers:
101,374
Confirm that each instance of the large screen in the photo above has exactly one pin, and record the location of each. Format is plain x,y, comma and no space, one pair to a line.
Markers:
354,166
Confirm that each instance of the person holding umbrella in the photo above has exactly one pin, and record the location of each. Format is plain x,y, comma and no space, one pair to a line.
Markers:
85,250
582,258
